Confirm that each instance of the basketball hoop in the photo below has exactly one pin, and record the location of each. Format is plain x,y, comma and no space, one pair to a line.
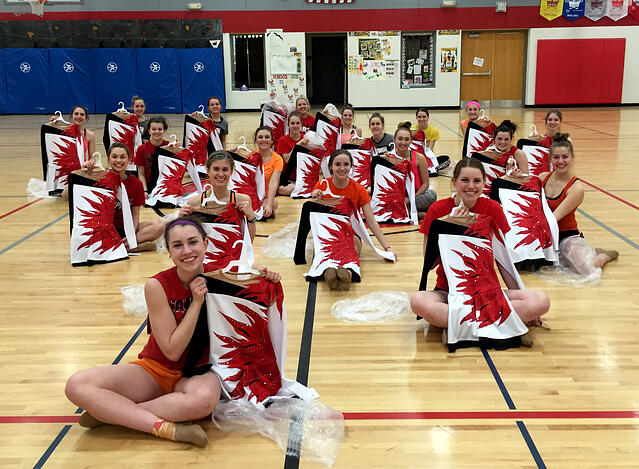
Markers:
37,7
32,6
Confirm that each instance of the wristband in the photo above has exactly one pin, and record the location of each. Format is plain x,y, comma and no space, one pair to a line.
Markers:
251,221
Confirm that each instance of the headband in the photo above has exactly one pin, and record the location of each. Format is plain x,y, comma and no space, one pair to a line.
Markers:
473,102
186,222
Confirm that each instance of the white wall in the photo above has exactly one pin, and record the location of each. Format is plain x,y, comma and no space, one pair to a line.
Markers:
630,92
388,93
251,99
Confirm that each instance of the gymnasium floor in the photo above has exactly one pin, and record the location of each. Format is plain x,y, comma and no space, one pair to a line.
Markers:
572,401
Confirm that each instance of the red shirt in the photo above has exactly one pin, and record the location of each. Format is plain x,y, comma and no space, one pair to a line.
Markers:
308,122
179,298
285,144
441,208
354,191
135,194
144,157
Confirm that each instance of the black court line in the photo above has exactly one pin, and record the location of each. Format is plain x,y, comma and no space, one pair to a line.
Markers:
456,132
511,405
293,448
587,128
412,230
32,234
607,228
54,444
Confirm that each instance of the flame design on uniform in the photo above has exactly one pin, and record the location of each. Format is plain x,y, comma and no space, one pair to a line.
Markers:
479,281
492,172
368,144
339,245
274,121
309,172
197,139
478,141
265,292
243,179
330,134
220,252
124,132
419,142
538,160
251,353
361,171
97,220
170,179
532,220
65,158
390,193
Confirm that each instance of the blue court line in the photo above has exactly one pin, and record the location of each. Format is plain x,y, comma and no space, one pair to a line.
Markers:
54,444
511,405
32,234
607,228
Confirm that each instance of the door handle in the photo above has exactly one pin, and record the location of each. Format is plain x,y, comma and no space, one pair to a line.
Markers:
477,74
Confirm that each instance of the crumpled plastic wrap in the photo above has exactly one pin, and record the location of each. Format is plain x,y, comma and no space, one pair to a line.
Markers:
278,103
37,188
308,430
281,245
378,306
314,140
331,110
133,302
576,266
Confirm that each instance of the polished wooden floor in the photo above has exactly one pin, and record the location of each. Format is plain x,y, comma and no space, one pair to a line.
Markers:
572,401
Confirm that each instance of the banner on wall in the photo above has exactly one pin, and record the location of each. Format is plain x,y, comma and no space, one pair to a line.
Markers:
71,70
574,9
3,84
595,9
158,77
202,76
617,9
114,77
28,81
633,8
551,9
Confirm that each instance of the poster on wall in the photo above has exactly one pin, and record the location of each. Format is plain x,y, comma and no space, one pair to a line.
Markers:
355,65
551,9
373,70
284,64
448,59
595,9
375,49
574,9
617,9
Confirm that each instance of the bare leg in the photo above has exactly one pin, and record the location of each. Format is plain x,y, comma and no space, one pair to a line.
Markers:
358,244
286,190
529,304
432,306
111,393
193,398
150,230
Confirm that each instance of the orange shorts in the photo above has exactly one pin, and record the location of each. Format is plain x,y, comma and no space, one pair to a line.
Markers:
166,377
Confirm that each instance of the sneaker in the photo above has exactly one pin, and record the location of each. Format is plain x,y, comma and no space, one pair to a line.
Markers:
345,278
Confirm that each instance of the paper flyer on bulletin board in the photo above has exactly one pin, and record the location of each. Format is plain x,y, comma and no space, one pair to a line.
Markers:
448,56
373,70
374,48
355,65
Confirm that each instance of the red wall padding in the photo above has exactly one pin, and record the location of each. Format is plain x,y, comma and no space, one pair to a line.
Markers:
579,71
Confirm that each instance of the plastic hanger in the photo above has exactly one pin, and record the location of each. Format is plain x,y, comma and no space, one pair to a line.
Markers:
212,197
201,111
122,108
242,146
98,160
60,118
242,266
533,130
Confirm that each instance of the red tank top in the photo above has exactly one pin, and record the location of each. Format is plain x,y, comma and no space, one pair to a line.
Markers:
415,170
503,159
179,298
569,222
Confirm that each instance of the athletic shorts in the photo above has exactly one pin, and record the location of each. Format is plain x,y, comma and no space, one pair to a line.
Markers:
166,378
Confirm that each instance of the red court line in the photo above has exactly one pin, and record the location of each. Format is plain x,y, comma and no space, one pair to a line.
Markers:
40,419
20,208
458,415
491,415
611,195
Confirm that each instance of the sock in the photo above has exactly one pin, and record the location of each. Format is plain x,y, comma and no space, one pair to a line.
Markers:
188,433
